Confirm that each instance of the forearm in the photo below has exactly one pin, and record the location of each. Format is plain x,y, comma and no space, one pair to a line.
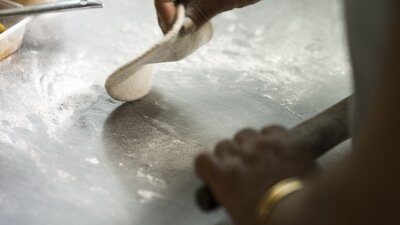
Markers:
361,190
364,188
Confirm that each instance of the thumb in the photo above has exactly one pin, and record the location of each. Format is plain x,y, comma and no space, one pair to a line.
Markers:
166,13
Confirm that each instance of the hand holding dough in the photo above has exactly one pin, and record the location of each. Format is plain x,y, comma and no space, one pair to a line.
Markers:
200,11
134,80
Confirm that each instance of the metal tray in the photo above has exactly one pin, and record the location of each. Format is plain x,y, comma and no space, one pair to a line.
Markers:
11,39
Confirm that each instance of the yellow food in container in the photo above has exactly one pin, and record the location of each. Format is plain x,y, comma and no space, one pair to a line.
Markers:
2,28
11,38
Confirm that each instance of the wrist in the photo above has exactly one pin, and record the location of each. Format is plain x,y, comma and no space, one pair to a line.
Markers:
275,197
286,212
309,206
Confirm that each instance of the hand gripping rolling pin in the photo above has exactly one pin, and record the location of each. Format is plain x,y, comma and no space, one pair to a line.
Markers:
320,134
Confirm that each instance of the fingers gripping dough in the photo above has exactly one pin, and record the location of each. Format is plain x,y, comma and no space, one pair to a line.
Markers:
133,80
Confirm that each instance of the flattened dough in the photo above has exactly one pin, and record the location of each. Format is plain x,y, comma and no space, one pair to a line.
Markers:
134,80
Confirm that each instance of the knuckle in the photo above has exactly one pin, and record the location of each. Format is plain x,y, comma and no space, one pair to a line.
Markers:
274,127
241,132
277,145
223,147
223,144
273,144
274,130
244,133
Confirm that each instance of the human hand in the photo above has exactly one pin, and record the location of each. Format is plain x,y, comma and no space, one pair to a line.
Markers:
241,170
199,11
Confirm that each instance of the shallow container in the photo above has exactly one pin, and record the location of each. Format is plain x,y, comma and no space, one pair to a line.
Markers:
30,2
11,39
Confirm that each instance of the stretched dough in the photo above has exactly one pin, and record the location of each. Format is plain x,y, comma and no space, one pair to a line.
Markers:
134,80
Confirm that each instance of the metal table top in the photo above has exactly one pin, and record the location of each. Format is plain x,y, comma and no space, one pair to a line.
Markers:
69,154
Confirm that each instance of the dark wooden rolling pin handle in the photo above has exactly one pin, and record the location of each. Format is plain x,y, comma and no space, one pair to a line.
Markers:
320,133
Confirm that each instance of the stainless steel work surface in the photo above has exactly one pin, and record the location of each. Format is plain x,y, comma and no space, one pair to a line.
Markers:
69,154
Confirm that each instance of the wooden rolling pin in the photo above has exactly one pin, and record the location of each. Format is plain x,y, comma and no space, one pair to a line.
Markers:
320,133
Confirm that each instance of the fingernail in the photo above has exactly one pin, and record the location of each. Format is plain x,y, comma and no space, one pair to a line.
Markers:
162,24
